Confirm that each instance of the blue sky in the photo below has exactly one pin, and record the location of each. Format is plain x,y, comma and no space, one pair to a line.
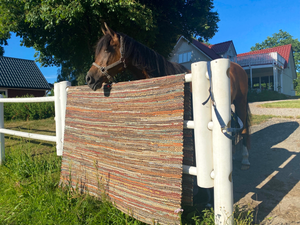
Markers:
245,22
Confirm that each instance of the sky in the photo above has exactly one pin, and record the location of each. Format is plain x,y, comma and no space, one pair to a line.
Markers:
245,22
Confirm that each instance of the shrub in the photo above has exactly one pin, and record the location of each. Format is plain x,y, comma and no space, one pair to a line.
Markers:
28,111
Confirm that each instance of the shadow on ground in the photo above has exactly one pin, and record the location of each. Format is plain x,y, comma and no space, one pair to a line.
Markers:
274,167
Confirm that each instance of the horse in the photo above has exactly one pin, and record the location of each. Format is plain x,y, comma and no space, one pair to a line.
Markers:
116,52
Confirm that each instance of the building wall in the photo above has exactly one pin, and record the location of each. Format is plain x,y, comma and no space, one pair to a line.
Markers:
12,93
184,47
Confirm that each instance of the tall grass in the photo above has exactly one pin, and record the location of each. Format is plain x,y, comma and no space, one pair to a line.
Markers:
31,192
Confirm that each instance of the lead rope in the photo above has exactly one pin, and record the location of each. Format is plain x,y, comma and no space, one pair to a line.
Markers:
225,130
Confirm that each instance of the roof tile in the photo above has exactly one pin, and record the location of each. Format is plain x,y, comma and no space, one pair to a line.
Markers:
21,73
204,48
221,47
283,50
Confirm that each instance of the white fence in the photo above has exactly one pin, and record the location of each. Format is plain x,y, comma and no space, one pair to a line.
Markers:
212,148
59,99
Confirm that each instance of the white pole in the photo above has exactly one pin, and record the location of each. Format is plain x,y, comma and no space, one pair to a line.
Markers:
251,81
63,105
222,146
58,120
2,144
202,117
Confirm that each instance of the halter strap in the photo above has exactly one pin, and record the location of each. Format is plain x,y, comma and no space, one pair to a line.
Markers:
117,64
224,128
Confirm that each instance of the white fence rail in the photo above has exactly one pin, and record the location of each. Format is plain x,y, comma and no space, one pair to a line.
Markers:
212,148
59,98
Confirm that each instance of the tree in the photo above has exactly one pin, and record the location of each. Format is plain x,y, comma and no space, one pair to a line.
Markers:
279,39
3,41
297,84
65,32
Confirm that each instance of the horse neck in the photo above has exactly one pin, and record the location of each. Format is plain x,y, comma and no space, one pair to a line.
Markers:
137,73
146,63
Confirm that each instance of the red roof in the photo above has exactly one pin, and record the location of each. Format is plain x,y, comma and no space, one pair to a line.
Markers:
283,50
204,48
221,47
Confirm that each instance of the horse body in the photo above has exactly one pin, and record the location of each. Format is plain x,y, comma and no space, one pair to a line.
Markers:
116,52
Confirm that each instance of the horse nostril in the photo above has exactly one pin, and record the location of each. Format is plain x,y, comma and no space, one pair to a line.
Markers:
89,79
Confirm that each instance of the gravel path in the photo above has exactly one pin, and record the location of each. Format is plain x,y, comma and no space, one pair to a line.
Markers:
272,183
256,110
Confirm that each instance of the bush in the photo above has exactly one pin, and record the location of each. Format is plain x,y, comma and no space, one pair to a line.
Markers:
28,111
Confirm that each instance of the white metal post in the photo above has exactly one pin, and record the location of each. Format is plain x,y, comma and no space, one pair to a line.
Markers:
63,105
222,146
58,120
2,143
202,117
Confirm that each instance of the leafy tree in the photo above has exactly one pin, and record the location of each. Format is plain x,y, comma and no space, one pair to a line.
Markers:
297,84
64,32
3,41
279,39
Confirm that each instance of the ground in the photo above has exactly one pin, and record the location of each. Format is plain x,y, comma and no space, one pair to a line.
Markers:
272,183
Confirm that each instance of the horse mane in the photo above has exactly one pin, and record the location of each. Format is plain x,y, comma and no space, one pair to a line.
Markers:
143,58
147,59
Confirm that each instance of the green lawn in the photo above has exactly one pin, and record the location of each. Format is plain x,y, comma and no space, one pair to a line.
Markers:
282,104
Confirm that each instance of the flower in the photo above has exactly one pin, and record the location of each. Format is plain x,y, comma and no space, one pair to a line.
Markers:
178,210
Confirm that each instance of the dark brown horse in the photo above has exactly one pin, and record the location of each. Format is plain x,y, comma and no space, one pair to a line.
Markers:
116,52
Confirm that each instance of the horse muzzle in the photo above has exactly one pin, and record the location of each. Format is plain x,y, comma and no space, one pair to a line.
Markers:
93,83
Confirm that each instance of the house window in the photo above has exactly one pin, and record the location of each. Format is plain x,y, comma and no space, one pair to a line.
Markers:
184,57
3,92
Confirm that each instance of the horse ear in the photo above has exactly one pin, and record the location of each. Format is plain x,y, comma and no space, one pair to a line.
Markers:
109,30
103,31
112,33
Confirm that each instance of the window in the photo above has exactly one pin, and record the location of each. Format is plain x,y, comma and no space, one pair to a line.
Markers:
184,57
3,92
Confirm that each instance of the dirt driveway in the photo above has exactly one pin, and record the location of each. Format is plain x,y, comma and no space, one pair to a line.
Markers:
272,184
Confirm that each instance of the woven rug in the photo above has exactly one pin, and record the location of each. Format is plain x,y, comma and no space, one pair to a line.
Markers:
128,143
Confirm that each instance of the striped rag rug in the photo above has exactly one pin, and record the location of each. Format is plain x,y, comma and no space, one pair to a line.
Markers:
127,143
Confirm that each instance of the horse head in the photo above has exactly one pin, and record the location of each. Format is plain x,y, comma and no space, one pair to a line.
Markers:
109,59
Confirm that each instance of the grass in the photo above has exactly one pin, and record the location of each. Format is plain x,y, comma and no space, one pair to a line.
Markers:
268,95
258,119
31,192
282,104
30,189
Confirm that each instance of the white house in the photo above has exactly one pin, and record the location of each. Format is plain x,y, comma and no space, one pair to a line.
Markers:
272,68
186,52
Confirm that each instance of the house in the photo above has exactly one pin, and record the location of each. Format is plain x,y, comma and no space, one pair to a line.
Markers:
272,68
19,77
225,50
186,52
